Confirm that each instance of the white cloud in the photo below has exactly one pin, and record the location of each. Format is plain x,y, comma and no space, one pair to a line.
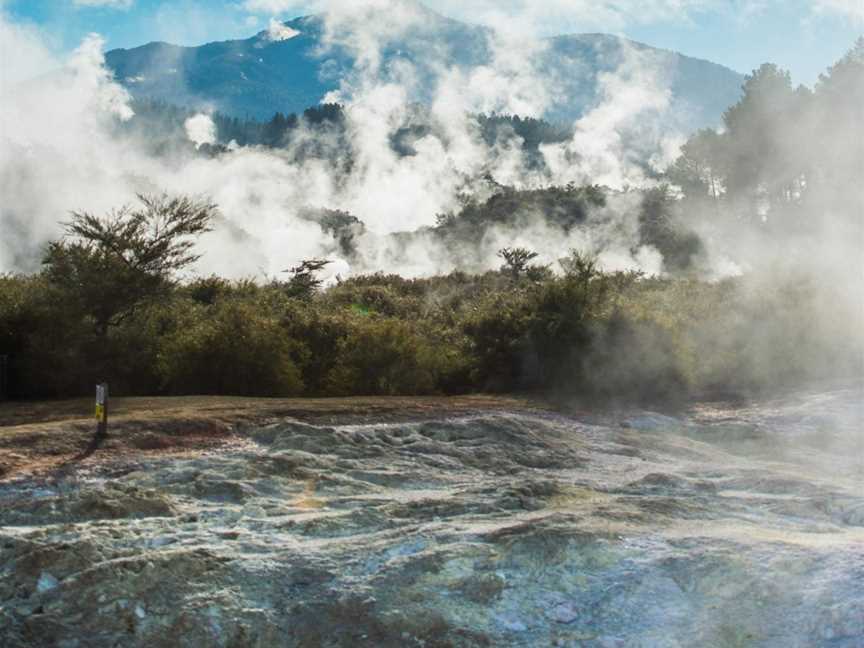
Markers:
849,8
629,124
61,133
558,16
272,6
111,4
563,16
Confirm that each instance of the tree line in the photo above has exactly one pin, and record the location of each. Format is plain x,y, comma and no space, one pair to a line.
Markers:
108,306
783,151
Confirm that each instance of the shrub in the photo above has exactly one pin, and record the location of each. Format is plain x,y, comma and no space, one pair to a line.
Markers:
496,329
230,348
374,299
207,290
564,310
382,356
51,349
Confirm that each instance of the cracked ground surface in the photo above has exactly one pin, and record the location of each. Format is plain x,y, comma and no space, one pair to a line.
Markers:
456,523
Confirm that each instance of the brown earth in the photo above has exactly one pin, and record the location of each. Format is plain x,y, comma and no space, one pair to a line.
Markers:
52,437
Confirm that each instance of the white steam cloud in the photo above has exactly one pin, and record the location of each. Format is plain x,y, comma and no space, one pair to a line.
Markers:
611,140
59,134
61,151
200,130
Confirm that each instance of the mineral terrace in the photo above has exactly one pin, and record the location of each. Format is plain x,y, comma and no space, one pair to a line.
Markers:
490,526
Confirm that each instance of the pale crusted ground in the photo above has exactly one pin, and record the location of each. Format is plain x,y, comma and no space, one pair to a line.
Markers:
435,522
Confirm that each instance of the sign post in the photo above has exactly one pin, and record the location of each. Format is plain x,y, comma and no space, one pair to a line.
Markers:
102,411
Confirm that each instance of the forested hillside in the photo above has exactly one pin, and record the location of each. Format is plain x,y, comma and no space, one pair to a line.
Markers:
297,64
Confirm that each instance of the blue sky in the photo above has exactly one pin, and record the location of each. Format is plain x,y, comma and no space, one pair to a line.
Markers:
804,36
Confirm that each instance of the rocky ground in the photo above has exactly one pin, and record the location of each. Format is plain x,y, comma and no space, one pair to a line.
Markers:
437,523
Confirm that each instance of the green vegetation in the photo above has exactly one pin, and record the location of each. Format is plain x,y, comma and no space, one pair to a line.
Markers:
582,334
108,266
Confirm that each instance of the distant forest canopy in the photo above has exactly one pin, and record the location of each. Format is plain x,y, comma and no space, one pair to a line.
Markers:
158,117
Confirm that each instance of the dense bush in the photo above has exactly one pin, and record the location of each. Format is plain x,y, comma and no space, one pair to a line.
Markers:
231,347
51,347
497,329
583,334
383,356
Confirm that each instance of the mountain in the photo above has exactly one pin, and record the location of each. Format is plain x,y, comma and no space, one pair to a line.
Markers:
293,65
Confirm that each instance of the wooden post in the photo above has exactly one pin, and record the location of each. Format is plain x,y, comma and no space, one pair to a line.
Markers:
102,411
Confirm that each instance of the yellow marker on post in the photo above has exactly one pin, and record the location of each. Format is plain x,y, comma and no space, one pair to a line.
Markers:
102,410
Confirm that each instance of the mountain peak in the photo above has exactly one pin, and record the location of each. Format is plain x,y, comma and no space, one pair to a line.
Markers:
282,68
278,31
